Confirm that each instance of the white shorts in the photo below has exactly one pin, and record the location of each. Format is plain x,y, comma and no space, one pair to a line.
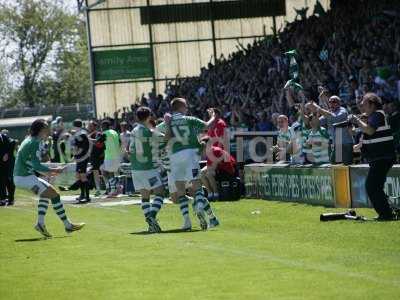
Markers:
33,183
172,186
146,180
111,165
185,165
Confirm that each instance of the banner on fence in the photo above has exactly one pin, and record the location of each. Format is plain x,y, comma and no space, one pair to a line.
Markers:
283,183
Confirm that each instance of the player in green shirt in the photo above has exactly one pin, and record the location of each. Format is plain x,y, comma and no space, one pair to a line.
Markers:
145,175
26,164
183,143
112,157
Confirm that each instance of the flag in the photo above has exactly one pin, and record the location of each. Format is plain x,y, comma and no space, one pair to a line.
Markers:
293,71
296,86
293,66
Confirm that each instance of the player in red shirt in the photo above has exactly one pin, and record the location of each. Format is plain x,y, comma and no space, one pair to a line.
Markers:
218,129
218,160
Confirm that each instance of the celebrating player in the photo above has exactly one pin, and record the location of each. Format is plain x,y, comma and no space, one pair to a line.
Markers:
145,175
27,162
184,144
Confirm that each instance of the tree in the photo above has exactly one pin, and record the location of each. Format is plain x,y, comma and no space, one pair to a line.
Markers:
72,68
39,39
4,85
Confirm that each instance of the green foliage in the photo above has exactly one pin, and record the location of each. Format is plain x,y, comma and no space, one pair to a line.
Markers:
4,84
44,43
263,250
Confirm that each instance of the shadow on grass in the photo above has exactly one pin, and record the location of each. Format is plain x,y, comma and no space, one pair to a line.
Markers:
40,239
166,231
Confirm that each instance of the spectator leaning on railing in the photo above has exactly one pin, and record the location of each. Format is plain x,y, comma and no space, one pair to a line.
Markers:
318,141
285,136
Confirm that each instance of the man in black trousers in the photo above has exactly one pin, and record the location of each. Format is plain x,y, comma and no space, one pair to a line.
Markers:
7,187
378,149
81,149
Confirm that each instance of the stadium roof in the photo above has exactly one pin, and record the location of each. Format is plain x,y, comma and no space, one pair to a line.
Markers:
19,122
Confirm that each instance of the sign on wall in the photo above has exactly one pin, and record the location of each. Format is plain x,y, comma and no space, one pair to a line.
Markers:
123,64
306,185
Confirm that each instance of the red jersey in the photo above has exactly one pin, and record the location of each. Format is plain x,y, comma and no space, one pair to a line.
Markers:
226,163
217,130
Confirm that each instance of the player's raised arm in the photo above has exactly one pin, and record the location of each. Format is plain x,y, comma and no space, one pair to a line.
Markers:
213,118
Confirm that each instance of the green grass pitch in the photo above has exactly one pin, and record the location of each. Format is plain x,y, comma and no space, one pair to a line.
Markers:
262,250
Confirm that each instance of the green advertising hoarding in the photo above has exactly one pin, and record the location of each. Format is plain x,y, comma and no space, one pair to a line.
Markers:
293,184
123,64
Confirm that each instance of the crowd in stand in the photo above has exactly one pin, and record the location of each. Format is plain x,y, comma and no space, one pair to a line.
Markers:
352,49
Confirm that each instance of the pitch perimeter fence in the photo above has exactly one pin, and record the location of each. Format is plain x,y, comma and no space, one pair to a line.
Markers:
330,186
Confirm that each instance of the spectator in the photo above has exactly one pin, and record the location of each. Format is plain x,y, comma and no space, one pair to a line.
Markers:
264,124
341,139
7,187
58,127
285,136
318,141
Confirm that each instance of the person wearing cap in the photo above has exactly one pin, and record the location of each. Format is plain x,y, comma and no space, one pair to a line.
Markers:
341,138
378,149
